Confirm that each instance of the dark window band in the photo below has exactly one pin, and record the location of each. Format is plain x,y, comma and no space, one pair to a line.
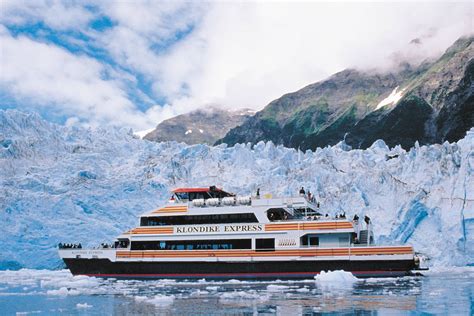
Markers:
199,219
192,244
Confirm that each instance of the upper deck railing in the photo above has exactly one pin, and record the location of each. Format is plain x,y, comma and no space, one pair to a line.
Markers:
287,202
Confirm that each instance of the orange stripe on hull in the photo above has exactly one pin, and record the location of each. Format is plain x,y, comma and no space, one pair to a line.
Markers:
152,231
171,209
168,211
368,251
252,253
309,226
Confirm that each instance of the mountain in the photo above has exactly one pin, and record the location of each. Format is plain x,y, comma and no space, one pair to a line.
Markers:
200,126
75,184
430,103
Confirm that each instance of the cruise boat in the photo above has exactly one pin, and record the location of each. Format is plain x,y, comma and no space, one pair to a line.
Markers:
211,233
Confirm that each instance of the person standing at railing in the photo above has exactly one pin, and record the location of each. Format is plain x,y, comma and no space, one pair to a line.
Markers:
368,222
302,192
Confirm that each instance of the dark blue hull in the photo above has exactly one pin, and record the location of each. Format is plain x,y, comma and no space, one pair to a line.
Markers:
236,270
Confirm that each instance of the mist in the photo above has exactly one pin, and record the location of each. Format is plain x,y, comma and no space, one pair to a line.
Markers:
254,53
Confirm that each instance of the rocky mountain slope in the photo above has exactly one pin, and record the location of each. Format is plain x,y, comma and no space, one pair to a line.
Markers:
200,126
74,184
430,103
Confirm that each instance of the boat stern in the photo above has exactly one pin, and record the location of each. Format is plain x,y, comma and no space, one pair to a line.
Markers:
86,261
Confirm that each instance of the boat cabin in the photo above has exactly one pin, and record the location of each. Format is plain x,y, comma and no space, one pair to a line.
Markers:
182,195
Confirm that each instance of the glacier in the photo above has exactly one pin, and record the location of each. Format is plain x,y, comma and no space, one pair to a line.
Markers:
76,184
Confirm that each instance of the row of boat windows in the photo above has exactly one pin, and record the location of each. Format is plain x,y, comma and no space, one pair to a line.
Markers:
192,244
201,195
261,244
199,219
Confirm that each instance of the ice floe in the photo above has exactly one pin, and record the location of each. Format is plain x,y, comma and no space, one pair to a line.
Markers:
338,279
83,306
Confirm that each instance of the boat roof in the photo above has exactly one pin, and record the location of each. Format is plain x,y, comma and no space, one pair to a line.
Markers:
184,190
201,190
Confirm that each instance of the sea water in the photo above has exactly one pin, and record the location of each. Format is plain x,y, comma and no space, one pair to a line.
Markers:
44,292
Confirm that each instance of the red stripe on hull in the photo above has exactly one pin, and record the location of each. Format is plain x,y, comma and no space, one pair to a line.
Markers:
251,275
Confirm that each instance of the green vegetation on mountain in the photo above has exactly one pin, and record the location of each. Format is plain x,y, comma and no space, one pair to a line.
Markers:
436,105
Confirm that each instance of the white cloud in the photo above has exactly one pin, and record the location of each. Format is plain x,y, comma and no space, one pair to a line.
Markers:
50,77
236,54
57,14
249,54
158,20
143,29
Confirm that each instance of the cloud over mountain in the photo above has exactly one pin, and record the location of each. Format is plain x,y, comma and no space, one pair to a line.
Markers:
138,64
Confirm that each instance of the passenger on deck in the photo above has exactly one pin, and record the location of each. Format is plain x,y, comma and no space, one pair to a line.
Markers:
302,192
367,220
310,196
356,218
258,193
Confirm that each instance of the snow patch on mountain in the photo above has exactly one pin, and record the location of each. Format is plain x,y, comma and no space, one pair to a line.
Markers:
141,134
72,184
393,98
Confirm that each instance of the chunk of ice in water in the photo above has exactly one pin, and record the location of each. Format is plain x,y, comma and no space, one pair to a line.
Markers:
83,305
335,279
157,300
277,288
161,300
63,291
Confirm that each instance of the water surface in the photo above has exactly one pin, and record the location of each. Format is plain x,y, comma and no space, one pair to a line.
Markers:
43,292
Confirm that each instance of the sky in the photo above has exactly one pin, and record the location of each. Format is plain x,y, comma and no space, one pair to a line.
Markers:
137,63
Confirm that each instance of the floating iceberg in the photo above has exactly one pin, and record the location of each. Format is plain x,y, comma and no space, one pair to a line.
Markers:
83,306
277,288
338,277
72,184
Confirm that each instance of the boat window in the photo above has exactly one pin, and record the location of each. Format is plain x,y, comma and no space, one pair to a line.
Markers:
212,192
265,244
182,196
198,195
192,244
278,214
198,219
122,243
344,241
310,240
305,212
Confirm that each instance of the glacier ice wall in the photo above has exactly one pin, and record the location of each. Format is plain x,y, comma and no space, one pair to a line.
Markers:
70,184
